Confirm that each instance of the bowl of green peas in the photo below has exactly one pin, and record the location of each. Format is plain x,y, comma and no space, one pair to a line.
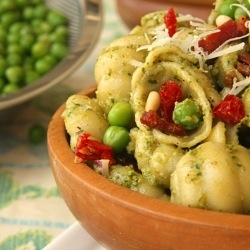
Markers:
42,42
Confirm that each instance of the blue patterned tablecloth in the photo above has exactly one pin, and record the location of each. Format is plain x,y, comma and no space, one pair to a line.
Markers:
32,212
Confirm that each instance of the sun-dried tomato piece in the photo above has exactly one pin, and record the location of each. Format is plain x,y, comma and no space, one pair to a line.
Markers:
150,118
153,120
244,58
244,69
227,31
229,78
231,110
243,64
170,93
90,150
170,21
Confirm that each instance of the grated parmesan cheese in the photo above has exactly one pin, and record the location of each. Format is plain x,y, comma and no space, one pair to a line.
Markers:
238,86
136,63
221,52
189,18
191,45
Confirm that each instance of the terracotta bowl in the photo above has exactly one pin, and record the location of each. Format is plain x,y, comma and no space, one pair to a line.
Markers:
119,218
131,11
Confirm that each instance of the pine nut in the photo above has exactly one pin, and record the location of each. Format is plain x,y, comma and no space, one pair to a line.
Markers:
221,19
153,101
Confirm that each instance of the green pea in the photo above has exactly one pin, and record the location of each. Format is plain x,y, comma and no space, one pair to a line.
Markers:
50,60
31,76
60,34
13,38
28,13
26,29
7,5
40,11
44,38
15,27
116,137
10,88
226,8
8,18
14,74
59,50
15,48
14,59
44,27
120,114
187,113
37,134
239,12
39,49
27,41
56,18
35,22
42,66
45,64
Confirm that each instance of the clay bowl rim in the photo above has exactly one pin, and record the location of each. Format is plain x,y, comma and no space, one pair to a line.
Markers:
60,152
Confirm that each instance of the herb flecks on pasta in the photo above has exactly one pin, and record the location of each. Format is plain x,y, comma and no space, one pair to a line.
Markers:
171,114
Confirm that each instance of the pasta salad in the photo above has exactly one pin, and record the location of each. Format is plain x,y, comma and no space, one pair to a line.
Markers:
171,113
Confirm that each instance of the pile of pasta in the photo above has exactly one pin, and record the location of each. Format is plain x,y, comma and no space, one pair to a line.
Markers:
209,166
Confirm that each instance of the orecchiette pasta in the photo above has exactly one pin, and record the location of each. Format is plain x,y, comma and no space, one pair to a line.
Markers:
166,63
83,114
155,160
213,176
114,69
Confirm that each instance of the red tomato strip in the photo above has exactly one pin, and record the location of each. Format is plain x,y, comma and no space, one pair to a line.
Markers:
91,150
227,31
170,21
231,110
